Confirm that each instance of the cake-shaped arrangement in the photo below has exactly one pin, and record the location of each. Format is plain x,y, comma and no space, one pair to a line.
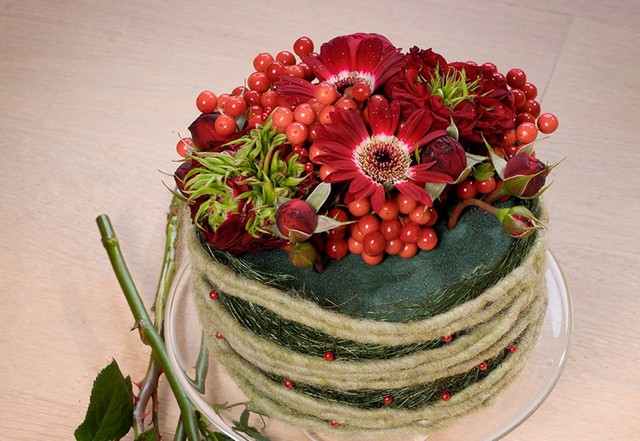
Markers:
365,233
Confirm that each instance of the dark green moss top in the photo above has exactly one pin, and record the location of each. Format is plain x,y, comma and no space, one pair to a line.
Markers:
467,260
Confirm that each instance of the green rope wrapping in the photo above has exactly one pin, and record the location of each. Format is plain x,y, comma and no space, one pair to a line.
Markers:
411,363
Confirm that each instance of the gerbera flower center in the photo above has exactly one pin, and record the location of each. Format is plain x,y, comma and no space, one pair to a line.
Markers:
384,159
347,79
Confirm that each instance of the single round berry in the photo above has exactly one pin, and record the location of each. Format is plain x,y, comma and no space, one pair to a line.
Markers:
288,383
213,295
447,338
486,186
516,78
483,366
389,209
261,61
326,93
239,91
286,58
410,232
259,81
508,139
530,90
324,115
269,99
354,229
355,246
282,117
518,98
207,101
466,189
346,104
295,71
387,399
303,46
368,224
406,204
428,239
394,247
334,423
390,229
325,170
512,348
408,250
421,215
329,356
304,114
360,91
524,117
359,207
532,107
491,67
219,335
372,260
274,71
547,123
184,147
225,125
235,106
445,396
336,248
296,133
526,133
374,243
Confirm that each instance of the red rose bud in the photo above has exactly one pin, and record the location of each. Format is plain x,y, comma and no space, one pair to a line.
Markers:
296,220
518,222
448,154
205,137
524,176
303,255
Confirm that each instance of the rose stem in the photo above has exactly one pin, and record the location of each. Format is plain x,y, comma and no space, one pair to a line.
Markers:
143,321
455,215
149,384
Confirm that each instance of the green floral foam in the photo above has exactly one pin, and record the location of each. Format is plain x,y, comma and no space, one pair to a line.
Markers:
466,261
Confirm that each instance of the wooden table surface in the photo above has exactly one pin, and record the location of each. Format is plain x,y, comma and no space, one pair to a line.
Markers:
94,94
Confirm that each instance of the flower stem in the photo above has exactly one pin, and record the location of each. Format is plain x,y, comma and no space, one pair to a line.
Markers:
149,384
149,333
457,211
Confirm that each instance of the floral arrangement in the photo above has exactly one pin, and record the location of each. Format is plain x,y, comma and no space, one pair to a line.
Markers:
361,149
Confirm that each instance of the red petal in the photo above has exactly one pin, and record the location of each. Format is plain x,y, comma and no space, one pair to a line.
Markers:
368,55
377,198
420,173
347,128
319,69
334,149
380,118
340,176
336,55
359,183
414,192
390,64
415,128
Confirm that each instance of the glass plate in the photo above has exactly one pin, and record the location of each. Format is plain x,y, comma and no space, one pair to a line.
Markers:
513,406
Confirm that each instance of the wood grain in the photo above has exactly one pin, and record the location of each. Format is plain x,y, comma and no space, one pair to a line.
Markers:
92,100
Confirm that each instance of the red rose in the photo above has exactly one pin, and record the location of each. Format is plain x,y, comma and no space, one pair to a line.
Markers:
490,113
448,154
524,176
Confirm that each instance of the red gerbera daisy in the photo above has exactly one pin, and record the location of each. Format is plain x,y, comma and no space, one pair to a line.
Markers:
344,61
381,160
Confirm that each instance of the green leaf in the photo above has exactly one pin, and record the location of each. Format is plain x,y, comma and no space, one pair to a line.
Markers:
483,171
319,195
498,163
149,435
110,413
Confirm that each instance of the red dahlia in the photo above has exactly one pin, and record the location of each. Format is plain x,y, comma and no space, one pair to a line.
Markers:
381,160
